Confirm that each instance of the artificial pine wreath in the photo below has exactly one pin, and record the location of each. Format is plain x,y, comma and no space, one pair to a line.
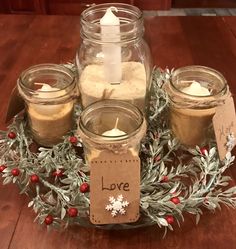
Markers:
174,180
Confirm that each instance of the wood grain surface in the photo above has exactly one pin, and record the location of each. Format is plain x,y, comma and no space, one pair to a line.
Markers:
203,3
175,42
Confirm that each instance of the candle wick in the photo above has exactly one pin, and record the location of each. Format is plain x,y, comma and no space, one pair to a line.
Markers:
112,8
117,120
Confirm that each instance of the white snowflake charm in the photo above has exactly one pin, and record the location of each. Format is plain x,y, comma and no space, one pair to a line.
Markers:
230,141
117,205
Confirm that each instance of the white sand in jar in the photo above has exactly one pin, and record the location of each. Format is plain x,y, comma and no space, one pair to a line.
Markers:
94,87
49,129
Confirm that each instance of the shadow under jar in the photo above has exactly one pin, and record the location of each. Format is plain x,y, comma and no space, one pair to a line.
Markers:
195,92
48,91
114,61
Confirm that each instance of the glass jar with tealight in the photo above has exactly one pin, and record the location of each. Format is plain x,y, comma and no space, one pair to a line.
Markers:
113,60
48,91
111,125
195,92
111,132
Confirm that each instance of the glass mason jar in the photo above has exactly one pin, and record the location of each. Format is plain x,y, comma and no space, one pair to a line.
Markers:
111,125
195,92
48,91
113,60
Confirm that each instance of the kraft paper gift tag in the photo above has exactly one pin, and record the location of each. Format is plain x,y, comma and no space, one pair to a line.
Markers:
15,105
114,188
224,123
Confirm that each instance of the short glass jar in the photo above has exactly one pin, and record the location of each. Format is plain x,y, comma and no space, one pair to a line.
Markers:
111,125
195,92
114,61
48,91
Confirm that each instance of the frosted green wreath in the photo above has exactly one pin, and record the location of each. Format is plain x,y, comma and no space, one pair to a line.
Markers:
174,180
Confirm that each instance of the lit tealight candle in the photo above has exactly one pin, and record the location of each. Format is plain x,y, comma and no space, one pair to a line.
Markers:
196,89
46,88
46,91
190,124
50,122
115,132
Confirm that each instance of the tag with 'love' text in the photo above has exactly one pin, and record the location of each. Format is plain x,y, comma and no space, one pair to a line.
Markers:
114,188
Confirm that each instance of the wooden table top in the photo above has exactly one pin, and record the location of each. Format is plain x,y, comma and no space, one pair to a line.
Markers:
174,42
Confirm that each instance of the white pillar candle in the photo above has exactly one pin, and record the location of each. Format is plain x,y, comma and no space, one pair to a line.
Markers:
115,132
196,89
110,34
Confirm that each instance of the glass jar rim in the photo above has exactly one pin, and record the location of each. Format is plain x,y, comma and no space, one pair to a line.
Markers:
104,6
206,70
47,66
110,103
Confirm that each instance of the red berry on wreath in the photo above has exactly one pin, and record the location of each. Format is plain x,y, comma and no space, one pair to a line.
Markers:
175,200
34,178
73,140
2,167
58,173
170,219
84,187
72,212
15,172
157,158
203,151
11,135
48,220
165,179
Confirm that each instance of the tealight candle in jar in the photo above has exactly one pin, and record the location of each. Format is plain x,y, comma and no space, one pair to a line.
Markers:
114,61
194,92
48,91
111,125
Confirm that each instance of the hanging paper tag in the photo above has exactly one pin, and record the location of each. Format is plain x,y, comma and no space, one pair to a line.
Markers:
224,122
114,188
15,105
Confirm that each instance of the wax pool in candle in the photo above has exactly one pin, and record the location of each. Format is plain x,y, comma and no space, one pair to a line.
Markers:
110,34
196,89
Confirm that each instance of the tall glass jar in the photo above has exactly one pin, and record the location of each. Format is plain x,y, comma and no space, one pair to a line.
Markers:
111,125
195,92
48,91
114,61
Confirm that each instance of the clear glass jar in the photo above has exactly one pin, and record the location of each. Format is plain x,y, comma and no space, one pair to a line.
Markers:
124,121
48,91
195,92
114,61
